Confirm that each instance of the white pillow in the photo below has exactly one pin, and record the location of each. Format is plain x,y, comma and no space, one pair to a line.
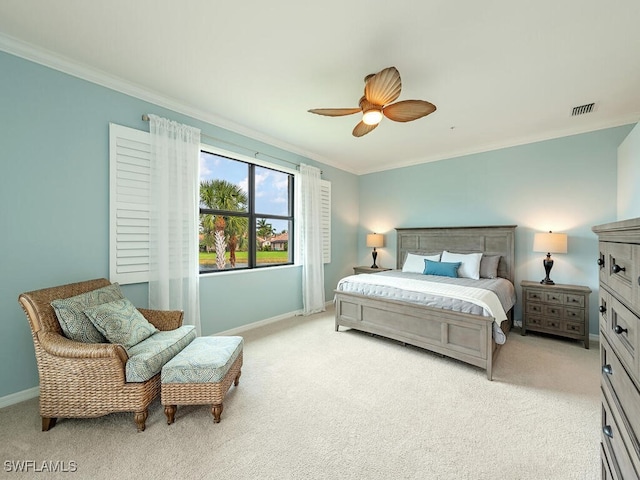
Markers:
415,263
469,266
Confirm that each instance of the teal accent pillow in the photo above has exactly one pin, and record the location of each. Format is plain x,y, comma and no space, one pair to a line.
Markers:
70,312
442,269
121,322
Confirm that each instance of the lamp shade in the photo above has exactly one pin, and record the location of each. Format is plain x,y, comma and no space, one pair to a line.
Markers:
550,242
375,240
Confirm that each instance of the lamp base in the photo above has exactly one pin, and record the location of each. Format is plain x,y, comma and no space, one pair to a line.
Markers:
374,254
548,264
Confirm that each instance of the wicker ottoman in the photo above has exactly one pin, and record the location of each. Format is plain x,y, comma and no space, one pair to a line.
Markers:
201,374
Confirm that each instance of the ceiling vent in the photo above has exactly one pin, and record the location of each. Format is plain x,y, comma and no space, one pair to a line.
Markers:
582,109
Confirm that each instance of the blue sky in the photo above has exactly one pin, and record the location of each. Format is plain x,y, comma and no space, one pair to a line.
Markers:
271,186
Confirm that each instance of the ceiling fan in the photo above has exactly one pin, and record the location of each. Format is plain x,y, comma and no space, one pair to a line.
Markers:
380,90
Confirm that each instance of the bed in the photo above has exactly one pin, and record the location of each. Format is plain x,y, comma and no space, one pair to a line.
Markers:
468,337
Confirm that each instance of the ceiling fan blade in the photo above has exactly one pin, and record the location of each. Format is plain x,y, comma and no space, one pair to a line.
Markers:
408,110
383,87
362,129
334,112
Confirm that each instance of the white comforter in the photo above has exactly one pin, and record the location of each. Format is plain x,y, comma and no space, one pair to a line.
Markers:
485,299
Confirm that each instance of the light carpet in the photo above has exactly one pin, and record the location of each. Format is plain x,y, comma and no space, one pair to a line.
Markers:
318,404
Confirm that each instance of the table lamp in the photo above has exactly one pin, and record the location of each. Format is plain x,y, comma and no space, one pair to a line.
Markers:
550,243
375,240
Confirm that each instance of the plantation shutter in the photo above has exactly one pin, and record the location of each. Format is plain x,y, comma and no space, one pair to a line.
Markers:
129,160
325,220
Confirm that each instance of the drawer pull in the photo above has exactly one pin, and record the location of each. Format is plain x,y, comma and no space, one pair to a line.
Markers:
601,261
607,431
602,309
617,268
618,329
607,369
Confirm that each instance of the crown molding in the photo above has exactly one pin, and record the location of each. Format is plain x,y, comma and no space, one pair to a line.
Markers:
618,122
65,65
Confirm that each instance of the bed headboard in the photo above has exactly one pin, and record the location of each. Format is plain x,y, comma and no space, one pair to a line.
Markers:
492,240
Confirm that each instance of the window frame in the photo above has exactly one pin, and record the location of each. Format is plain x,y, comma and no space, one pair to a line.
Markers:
251,214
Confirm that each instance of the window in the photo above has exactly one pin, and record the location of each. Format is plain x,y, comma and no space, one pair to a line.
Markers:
246,214
270,217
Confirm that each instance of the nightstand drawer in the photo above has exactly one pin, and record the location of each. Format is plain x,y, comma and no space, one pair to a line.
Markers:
573,327
553,297
553,324
535,295
574,300
574,314
552,311
539,321
533,308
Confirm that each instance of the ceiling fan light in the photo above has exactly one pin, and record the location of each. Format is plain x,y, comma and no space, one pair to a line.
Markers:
372,117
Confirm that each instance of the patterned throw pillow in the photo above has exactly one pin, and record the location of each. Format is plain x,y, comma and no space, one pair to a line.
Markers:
74,323
121,322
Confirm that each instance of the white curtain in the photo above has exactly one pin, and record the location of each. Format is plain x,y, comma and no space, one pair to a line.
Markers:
173,228
311,241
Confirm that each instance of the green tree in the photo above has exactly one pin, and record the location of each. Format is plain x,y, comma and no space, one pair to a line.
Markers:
223,195
265,230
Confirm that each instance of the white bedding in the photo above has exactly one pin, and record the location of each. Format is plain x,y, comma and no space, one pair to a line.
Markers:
485,299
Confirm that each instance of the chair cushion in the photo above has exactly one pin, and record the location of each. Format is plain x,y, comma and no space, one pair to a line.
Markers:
205,360
70,312
147,357
120,322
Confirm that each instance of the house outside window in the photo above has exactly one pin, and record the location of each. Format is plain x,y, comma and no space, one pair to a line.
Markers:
246,214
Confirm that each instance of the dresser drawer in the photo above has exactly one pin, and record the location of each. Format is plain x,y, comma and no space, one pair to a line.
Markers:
609,469
621,330
621,271
614,442
624,394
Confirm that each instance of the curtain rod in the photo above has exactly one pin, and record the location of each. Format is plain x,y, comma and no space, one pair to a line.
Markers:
145,118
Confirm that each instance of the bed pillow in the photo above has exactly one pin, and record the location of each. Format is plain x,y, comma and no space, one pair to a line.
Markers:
120,322
442,269
470,263
489,266
415,263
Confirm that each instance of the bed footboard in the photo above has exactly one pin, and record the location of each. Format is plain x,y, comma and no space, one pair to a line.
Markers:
457,335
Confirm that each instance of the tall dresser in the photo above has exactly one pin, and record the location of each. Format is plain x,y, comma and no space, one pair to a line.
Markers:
619,322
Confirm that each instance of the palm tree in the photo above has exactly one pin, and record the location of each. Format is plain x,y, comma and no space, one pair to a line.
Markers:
223,195
265,230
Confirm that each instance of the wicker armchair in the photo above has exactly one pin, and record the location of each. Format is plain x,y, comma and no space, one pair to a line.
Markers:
85,379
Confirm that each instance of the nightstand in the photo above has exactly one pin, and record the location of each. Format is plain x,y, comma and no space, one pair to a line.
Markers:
363,269
556,309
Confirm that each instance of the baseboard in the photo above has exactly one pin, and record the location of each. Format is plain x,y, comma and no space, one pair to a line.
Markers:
267,321
30,393
259,323
18,397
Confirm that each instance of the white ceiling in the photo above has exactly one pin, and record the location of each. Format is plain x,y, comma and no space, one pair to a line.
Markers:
501,72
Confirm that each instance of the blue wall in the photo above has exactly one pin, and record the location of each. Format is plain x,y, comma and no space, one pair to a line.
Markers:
54,207
565,185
